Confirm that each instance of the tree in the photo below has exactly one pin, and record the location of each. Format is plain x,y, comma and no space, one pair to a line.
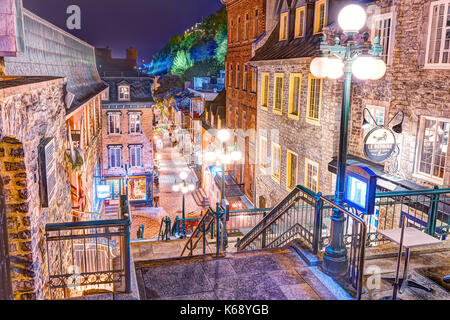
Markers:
181,63
221,41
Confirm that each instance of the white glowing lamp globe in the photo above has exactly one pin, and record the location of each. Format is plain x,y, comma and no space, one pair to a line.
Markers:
364,67
380,69
184,189
176,188
226,159
191,187
319,67
236,155
223,135
352,18
183,175
335,68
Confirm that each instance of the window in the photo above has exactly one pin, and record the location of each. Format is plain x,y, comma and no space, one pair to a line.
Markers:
284,27
382,27
300,22
238,29
255,24
114,123
230,76
134,122
246,27
438,48
265,90
230,38
115,157
295,84
278,93
433,137
314,99
263,154
254,79
320,16
312,175
378,114
292,169
244,84
238,76
135,156
276,162
124,93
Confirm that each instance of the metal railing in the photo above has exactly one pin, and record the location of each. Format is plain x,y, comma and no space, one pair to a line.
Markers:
89,255
199,233
164,232
241,221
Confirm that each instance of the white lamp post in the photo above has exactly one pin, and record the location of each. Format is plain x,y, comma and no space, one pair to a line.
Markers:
184,187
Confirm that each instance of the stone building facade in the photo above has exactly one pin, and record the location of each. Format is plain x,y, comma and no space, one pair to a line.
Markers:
128,141
246,24
32,108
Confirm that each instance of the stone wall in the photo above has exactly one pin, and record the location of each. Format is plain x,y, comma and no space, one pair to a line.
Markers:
315,142
28,114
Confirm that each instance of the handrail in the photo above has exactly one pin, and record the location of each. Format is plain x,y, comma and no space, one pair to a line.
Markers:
208,213
362,239
257,234
91,214
411,193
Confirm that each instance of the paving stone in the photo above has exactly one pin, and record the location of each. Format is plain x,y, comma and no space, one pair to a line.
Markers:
301,291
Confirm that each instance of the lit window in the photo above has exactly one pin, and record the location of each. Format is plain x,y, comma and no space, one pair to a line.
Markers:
276,162
320,12
278,93
263,154
244,84
135,122
124,93
438,49
114,123
382,27
292,172
314,99
312,175
230,38
115,157
238,76
433,145
254,79
378,114
230,77
135,156
265,90
300,22
255,24
284,27
295,85
238,29
247,26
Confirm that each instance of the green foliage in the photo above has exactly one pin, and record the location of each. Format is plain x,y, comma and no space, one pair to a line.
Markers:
205,45
181,63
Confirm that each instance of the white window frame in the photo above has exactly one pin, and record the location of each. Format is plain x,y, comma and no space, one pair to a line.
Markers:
127,96
137,121
272,162
133,157
382,17
417,172
313,164
439,65
115,149
118,123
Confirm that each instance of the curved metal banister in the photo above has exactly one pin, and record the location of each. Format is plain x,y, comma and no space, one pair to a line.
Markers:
202,227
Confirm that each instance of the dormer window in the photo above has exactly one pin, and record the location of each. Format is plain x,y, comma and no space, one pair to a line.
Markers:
124,93
320,12
284,26
300,22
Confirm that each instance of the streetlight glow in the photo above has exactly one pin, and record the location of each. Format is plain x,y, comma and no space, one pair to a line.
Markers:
176,188
319,67
335,68
183,175
352,18
236,155
191,187
223,135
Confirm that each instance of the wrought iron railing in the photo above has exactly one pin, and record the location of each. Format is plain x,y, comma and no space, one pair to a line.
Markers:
89,255
164,229
242,221
200,233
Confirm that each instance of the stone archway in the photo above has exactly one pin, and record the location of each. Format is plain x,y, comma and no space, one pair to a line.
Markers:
5,273
14,176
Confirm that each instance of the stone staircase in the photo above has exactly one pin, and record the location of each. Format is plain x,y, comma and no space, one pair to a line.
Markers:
200,198
275,274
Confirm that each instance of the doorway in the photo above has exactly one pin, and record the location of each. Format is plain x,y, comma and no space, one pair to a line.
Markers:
5,275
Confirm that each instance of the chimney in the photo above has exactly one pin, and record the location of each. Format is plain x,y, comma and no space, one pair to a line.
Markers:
132,54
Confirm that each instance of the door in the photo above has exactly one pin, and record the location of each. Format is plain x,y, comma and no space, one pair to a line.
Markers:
5,276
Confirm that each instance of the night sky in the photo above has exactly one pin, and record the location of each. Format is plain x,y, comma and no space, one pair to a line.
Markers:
146,25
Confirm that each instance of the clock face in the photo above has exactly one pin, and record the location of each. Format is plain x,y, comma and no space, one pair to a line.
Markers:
379,144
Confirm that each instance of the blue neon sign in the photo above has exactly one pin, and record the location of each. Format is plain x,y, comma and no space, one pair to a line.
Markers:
360,189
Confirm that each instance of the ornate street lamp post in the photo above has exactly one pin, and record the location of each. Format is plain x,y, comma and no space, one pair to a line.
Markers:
347,58
184,187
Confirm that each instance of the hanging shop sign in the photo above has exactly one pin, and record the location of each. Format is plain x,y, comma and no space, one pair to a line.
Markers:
379,144
360,188
47,171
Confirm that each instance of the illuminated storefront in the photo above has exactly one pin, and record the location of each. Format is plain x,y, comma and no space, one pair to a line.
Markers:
140,188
